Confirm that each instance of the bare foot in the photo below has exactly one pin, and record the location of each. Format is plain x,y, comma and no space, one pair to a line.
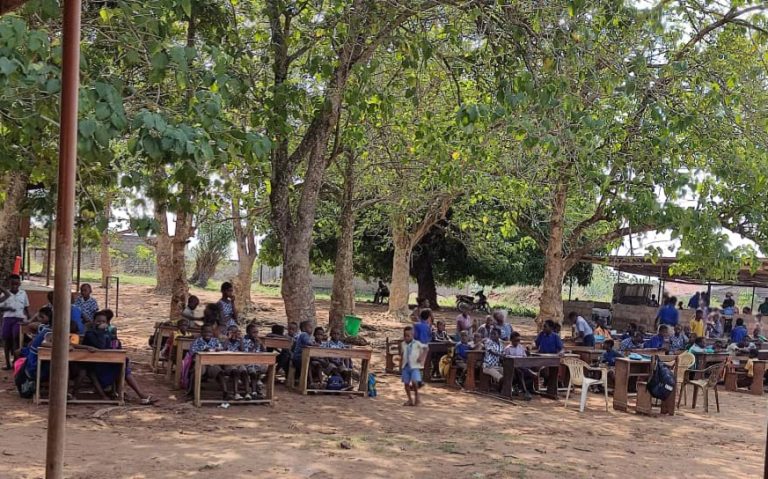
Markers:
408,403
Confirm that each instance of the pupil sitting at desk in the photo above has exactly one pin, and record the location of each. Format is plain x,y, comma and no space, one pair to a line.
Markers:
105,375
206,343
233,344
633,342
739,332
523,376
698,346
440,335
660,340
338,366
492,358
253,372
548,342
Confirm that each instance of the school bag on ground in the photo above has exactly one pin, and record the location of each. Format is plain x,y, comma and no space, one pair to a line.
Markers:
662,382
335,383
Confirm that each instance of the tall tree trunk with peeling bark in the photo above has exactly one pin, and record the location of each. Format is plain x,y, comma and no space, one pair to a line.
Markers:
163,251
15,185
245,241
551,301
104,257
425,277
178,273
343,292
401,262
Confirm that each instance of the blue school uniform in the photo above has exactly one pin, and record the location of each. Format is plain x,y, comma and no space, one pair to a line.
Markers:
549,343
739,334
422,332
461,350
609,357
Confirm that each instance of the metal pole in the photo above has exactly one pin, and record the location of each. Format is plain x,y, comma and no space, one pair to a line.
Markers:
65,218
752,307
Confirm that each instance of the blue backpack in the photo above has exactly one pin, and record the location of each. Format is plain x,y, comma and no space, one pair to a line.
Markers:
372,385
662,381
335,383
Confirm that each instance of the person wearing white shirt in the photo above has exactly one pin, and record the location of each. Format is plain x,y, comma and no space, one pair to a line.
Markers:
14,305
582,329
523,376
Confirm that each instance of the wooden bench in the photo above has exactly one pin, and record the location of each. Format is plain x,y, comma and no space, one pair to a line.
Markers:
644,404
705,360
756,387
101,356
391,356
310,352
277,343
223,358
539,361
625,371
162,330
435,349
474,362
587,354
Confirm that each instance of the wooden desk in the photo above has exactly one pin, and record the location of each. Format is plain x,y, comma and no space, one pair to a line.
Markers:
548,361
704,360
235,359
438,349
162,330
310,352
182,345
587,354
110,356
644,404
756,387
625,370
474,361
391,351
762,355
277,343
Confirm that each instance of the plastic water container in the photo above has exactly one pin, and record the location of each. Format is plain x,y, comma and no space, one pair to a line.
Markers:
352,325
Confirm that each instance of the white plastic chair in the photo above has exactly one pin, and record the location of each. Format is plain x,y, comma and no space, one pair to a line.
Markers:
576,369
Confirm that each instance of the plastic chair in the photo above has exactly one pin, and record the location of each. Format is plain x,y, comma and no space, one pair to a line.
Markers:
712,375
685,362
576,369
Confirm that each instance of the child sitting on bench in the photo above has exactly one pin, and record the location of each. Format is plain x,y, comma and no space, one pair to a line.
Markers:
253,372
338,366
233,344
207,343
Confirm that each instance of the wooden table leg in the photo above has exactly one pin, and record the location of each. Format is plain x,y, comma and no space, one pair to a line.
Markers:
271,369
427,371
303,377
552,376
156,350
169,364
758,371
198,382
121,385
177,373
363,376
37,384
621,383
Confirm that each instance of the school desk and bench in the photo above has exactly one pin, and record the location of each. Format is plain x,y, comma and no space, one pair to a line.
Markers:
310,352
435,351
550,362
223,358
734,372
98,356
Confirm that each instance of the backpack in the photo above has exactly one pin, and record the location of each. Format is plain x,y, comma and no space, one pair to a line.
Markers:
372,385
662,381
335,383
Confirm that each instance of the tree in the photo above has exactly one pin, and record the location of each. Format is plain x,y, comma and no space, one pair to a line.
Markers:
214,236
588,96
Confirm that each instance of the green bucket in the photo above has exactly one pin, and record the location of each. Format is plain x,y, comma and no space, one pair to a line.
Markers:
352,325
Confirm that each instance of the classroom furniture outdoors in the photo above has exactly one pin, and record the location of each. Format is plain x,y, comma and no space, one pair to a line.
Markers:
182,345
711,376
474,362
109,356
762,355
391,356
645,401
275,342
162,330
627,372
685,361
364,354
223,358
588,354
435,350
576,369
705,360
734,373
550,362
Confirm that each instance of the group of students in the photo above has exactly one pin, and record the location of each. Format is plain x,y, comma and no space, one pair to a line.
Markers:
724,322
90,328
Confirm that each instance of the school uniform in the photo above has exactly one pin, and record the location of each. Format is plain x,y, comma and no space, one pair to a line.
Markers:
492,362
412,366
17,302
549,343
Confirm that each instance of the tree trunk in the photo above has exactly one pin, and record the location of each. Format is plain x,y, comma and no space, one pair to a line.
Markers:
105,259
245,241
399,293
551,301
180,288
343,294
422,269
296,288
15,185
163,252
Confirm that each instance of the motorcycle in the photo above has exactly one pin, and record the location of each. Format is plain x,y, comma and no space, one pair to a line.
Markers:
469,302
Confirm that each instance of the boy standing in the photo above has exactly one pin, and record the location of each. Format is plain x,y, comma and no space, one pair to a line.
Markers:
413,354
14,306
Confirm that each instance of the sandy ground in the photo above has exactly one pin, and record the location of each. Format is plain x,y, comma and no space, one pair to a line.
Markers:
454,435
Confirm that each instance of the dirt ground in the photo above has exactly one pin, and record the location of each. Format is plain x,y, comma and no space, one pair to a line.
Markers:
454,434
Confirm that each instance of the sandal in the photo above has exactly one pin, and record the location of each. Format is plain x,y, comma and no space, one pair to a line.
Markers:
148,401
